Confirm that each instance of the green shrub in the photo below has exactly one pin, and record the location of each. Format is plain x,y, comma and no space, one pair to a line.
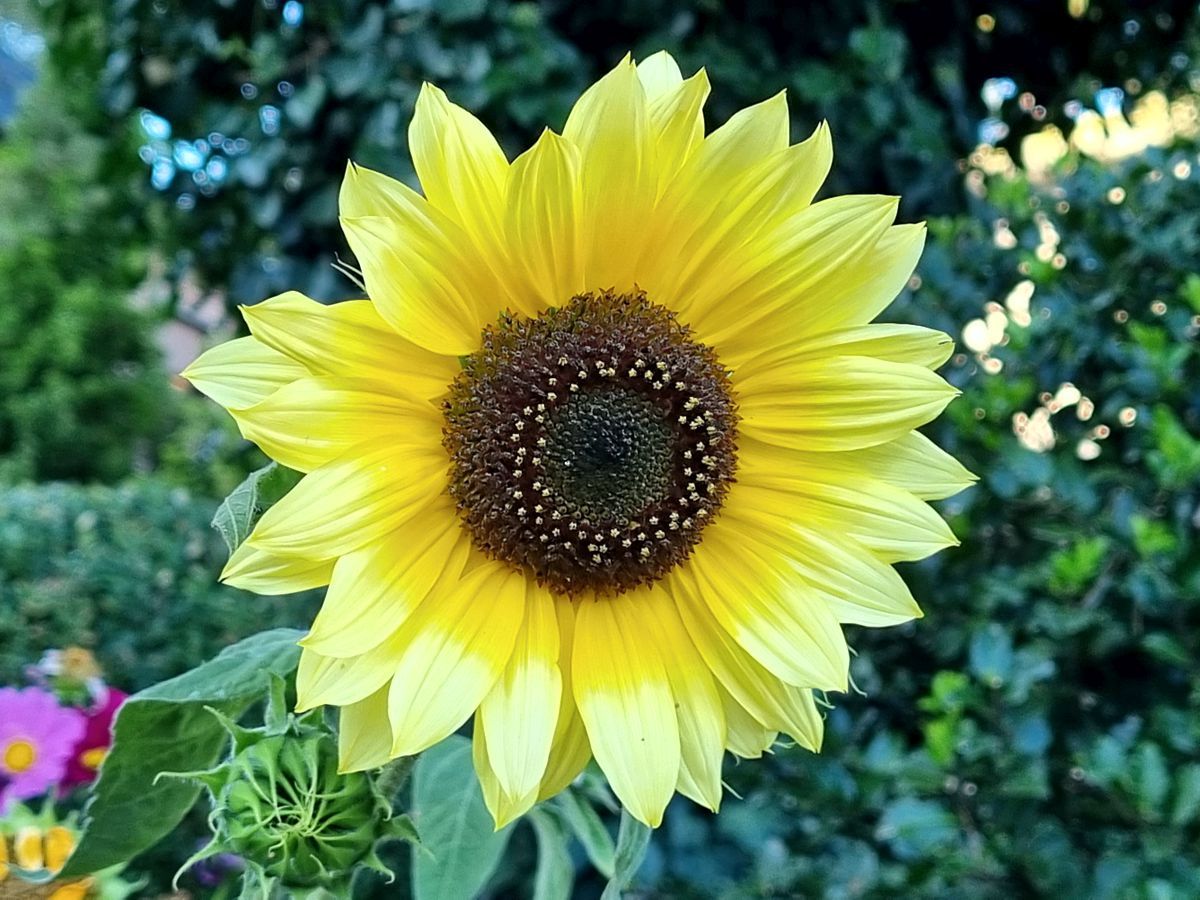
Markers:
83,393
129,572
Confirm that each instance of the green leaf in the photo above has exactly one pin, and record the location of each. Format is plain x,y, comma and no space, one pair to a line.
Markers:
238,512
1187,795
460,847
584,822
555,875
633,840
166,728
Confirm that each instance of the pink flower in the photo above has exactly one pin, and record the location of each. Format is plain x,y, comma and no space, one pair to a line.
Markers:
36,739
89,751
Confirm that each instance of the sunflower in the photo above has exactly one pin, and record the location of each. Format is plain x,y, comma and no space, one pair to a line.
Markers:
610,454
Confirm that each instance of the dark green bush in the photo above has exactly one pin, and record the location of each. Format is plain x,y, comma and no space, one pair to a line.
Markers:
83,394
129,572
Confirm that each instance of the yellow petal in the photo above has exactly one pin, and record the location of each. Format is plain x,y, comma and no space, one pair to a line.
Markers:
856,586
778,706
782,268
452,650
364,735
519,714
424,276
677,123
503,806
461,167
659,73
542,219
315,420
701,714
915,464
837,403
59,842
910,344
757,597
746,736
891,523
330,681
570,750
701,234
241,372
911,463
349,339
749,137
354,500
609,124
374,590
264,573
866,285
625,700
27,847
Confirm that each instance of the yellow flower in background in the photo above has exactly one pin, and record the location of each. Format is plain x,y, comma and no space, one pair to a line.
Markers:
609,455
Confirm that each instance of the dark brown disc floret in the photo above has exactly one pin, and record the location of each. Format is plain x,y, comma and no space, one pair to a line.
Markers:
592,444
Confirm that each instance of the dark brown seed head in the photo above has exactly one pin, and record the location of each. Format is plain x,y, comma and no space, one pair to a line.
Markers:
591,445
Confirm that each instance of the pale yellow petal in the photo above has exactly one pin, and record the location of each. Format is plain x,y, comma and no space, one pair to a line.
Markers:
625,701
349,339
354,500
329,681
451,651
659,73
364,735
911,463
778,706
701,714
519,714
746,736
610,126
251,569
570,750
757,597
374,590
542,219
891,523
503,806
315,420
837,403
242,372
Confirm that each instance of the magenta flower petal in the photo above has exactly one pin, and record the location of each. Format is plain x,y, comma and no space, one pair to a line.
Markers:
89,750
36,739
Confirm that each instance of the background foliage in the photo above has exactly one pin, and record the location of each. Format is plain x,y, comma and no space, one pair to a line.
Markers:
1036,734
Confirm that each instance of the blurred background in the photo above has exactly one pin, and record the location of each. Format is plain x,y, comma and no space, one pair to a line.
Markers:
1036,734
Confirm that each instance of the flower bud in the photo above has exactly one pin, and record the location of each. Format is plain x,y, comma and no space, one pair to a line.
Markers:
280,804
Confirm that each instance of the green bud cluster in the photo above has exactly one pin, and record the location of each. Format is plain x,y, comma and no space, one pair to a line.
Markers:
280,803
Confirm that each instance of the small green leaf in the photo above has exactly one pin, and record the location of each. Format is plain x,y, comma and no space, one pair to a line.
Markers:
238,512
584,822
167,728
460,847
555,875
633,840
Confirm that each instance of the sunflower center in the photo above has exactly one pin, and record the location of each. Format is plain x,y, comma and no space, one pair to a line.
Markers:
592,444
